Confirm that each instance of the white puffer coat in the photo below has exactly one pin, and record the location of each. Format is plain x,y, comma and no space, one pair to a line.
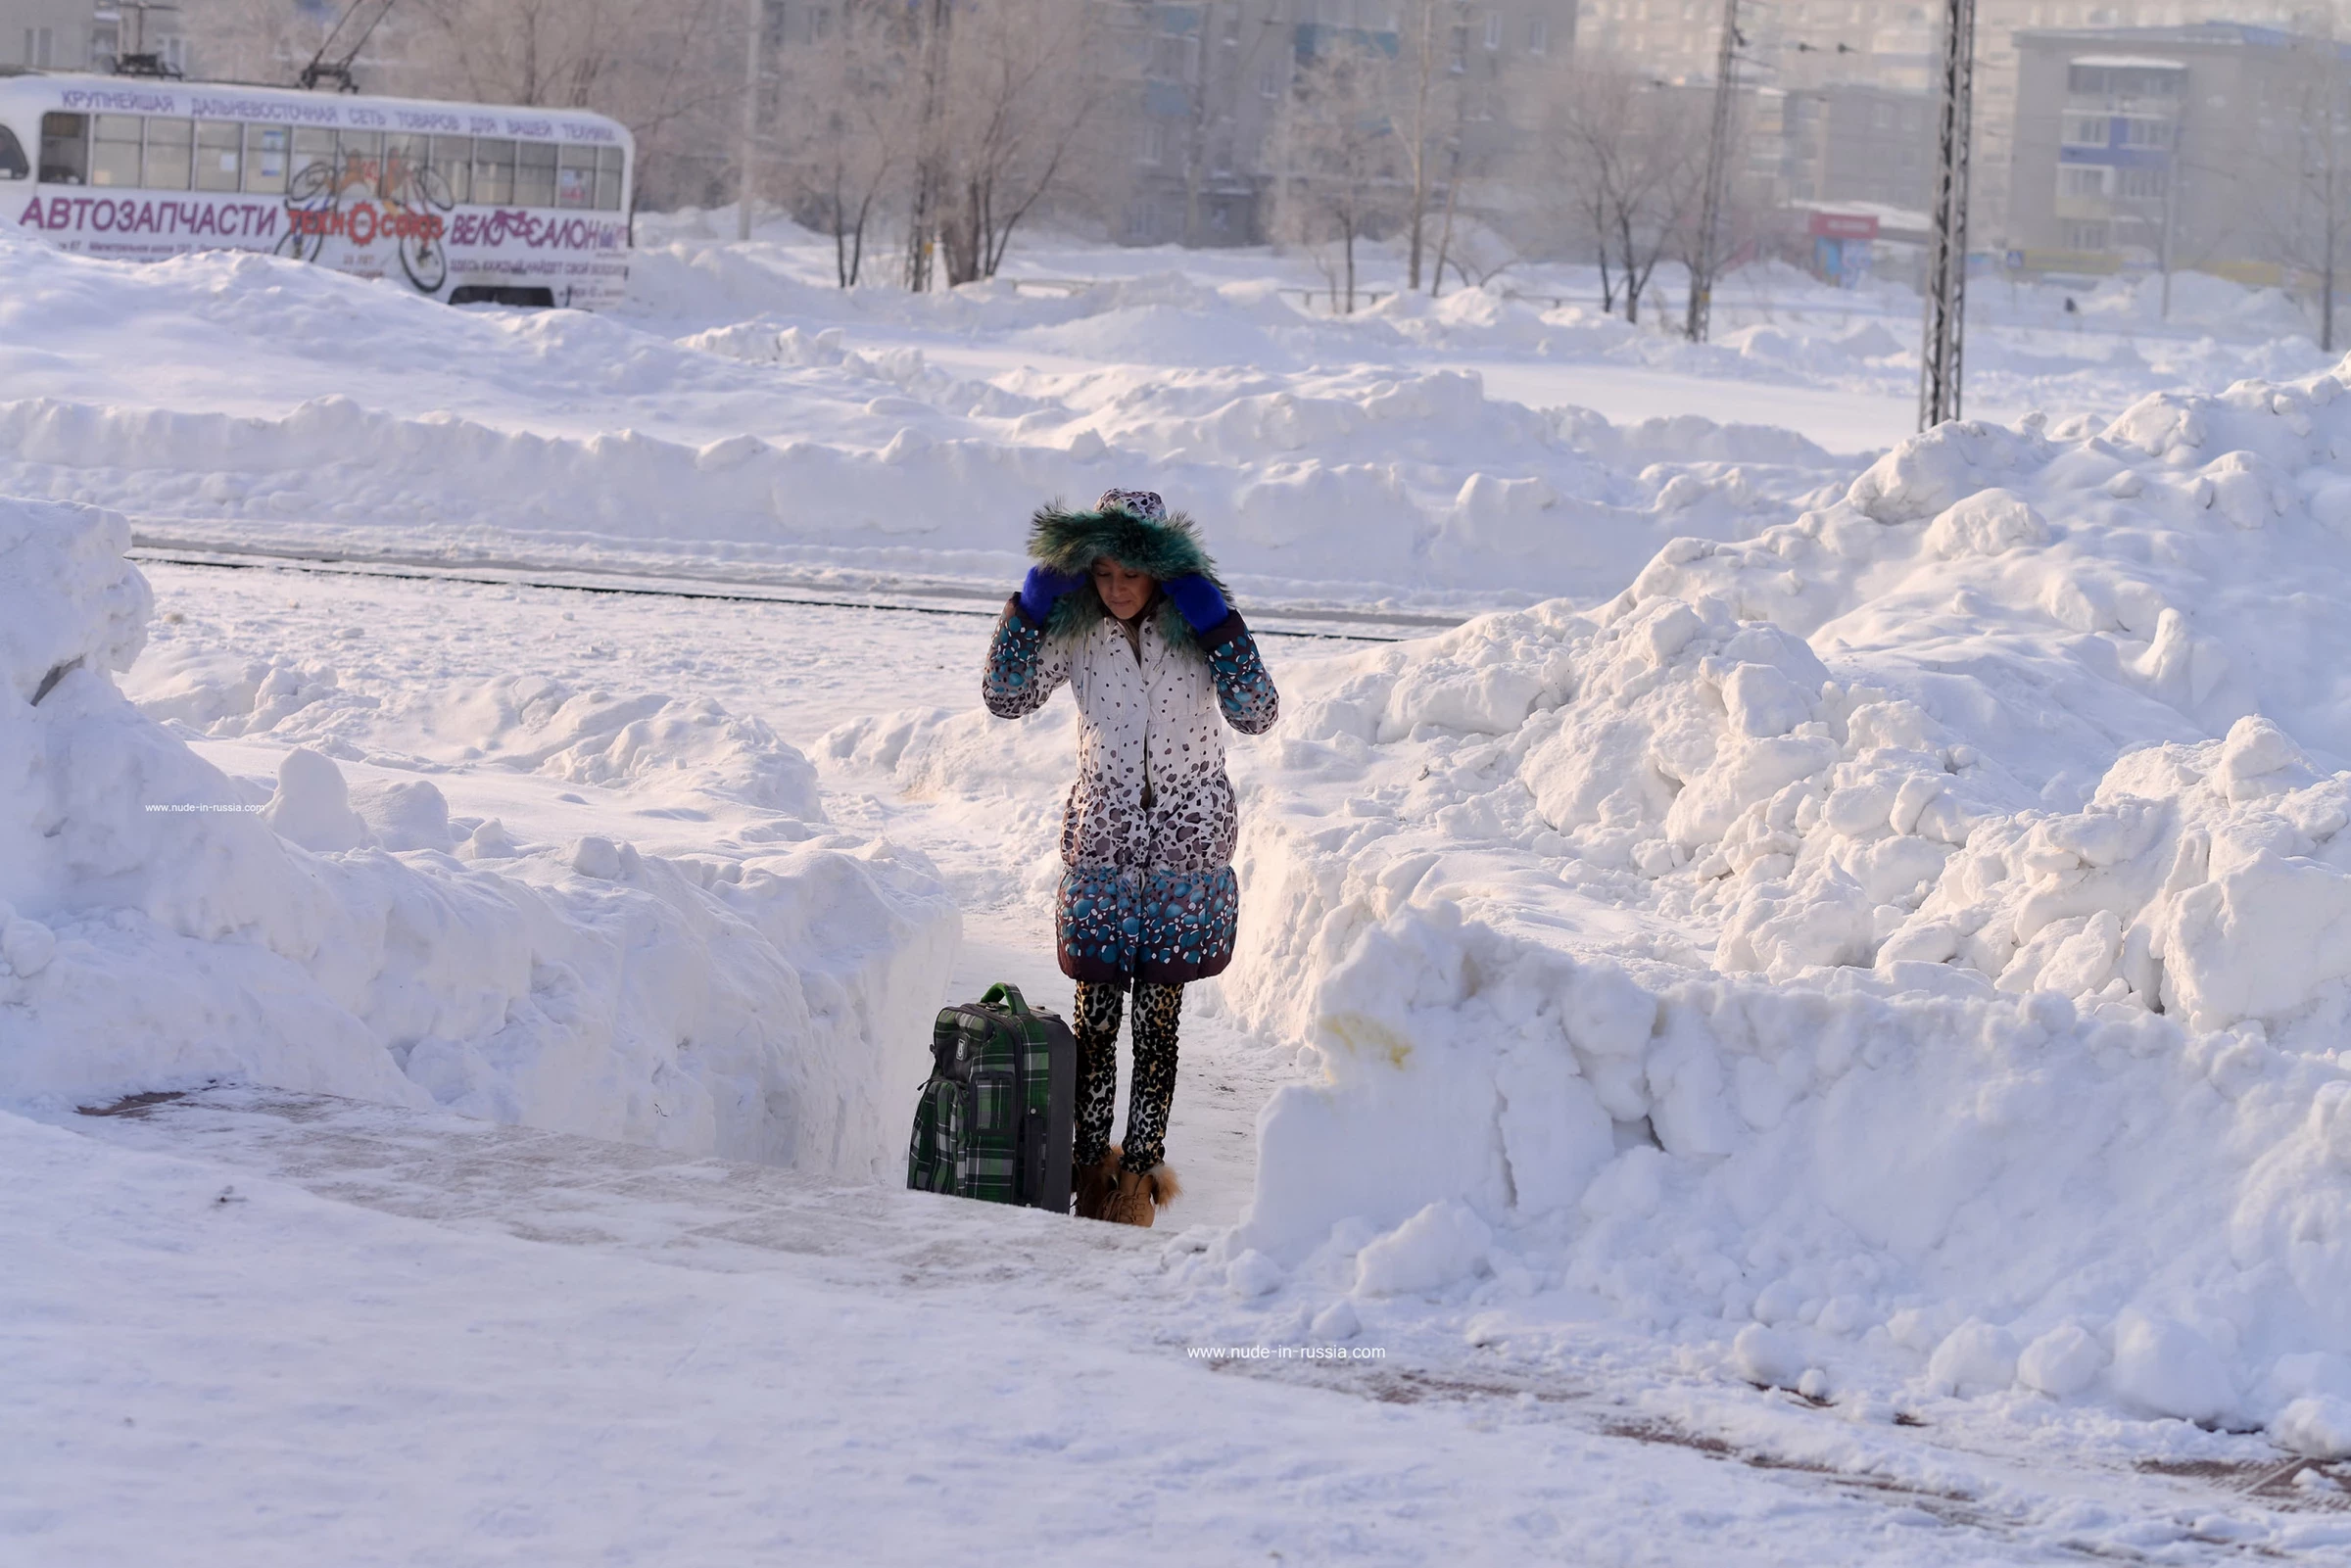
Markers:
1149,828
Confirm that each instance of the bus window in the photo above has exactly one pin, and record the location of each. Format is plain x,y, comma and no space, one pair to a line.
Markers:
114,159
534,173
575,176
171,149
12,156
360,158
220,154
493,172
65,150
608,179
313,164
452,160
404,161
265,149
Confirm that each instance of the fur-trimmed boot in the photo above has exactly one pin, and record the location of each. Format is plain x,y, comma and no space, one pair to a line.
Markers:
1096,1183
1140,1194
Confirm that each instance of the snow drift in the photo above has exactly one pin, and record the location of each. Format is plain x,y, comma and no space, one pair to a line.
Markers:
1920,934
160,925
1438,486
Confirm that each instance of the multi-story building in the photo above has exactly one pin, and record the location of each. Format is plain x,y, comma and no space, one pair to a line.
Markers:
1787,43
78,35
1798,44
1853,142
1216,75
2002,104
46,35
2210,146
134,34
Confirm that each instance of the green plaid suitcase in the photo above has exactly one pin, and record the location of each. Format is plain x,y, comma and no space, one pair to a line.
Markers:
998,1118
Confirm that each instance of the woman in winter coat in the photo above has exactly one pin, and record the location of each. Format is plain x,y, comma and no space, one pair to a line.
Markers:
1124,606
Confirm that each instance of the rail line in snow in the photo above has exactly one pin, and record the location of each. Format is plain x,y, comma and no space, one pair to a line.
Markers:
1341,625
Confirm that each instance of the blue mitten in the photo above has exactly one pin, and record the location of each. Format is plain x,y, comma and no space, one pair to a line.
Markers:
1198,601
1042,588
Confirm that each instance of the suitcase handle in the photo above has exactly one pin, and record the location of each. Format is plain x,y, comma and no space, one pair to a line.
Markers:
1009,994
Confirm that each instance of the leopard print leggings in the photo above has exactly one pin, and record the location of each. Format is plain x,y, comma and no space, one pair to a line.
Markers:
1152,1088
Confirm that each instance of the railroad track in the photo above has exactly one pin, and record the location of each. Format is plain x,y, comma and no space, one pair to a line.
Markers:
907,596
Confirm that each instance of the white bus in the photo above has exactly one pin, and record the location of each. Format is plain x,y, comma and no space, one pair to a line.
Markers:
463,202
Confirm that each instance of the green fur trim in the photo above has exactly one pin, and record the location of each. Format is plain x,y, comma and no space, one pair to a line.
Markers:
1071,542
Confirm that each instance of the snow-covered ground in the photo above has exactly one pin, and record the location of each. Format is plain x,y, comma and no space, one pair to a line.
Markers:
1844,970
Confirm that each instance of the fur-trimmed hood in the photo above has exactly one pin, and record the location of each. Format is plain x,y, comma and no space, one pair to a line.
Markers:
1166,548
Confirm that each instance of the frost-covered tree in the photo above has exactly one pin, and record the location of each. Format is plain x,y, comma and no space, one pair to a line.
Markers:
1004,96
2305,205
1337,181
843,125
1631,157
671,73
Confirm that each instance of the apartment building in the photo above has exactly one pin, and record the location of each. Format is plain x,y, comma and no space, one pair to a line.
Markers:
2202,146
76,35
1216,75
1853,142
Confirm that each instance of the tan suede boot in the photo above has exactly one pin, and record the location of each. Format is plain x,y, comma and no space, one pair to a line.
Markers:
1139,1196
1096,1183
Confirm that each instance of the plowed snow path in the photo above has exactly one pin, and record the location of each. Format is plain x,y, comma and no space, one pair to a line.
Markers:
360,648
263,1328
414,1339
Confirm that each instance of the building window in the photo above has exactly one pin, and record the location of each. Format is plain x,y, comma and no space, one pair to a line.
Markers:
2143,184
1268,79
39,46
2082,236
1493,29
2084,130
2142,132
2082,179
1538,37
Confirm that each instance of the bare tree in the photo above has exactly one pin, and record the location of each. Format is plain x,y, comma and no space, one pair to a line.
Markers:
1437,45
1338,174
663,73
262,41
846,120
1484,147
1633,158
1024,81
2302,210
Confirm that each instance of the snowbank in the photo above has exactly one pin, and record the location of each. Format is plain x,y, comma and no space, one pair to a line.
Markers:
160,925
1920,934
1439,486
745,412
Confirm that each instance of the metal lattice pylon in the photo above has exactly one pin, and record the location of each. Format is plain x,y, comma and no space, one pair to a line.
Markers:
1940,355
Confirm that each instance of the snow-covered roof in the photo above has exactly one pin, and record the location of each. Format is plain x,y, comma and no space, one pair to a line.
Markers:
2130,62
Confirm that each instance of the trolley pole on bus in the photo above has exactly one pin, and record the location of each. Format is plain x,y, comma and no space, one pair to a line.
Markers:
1703,258
1939,354
758,19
